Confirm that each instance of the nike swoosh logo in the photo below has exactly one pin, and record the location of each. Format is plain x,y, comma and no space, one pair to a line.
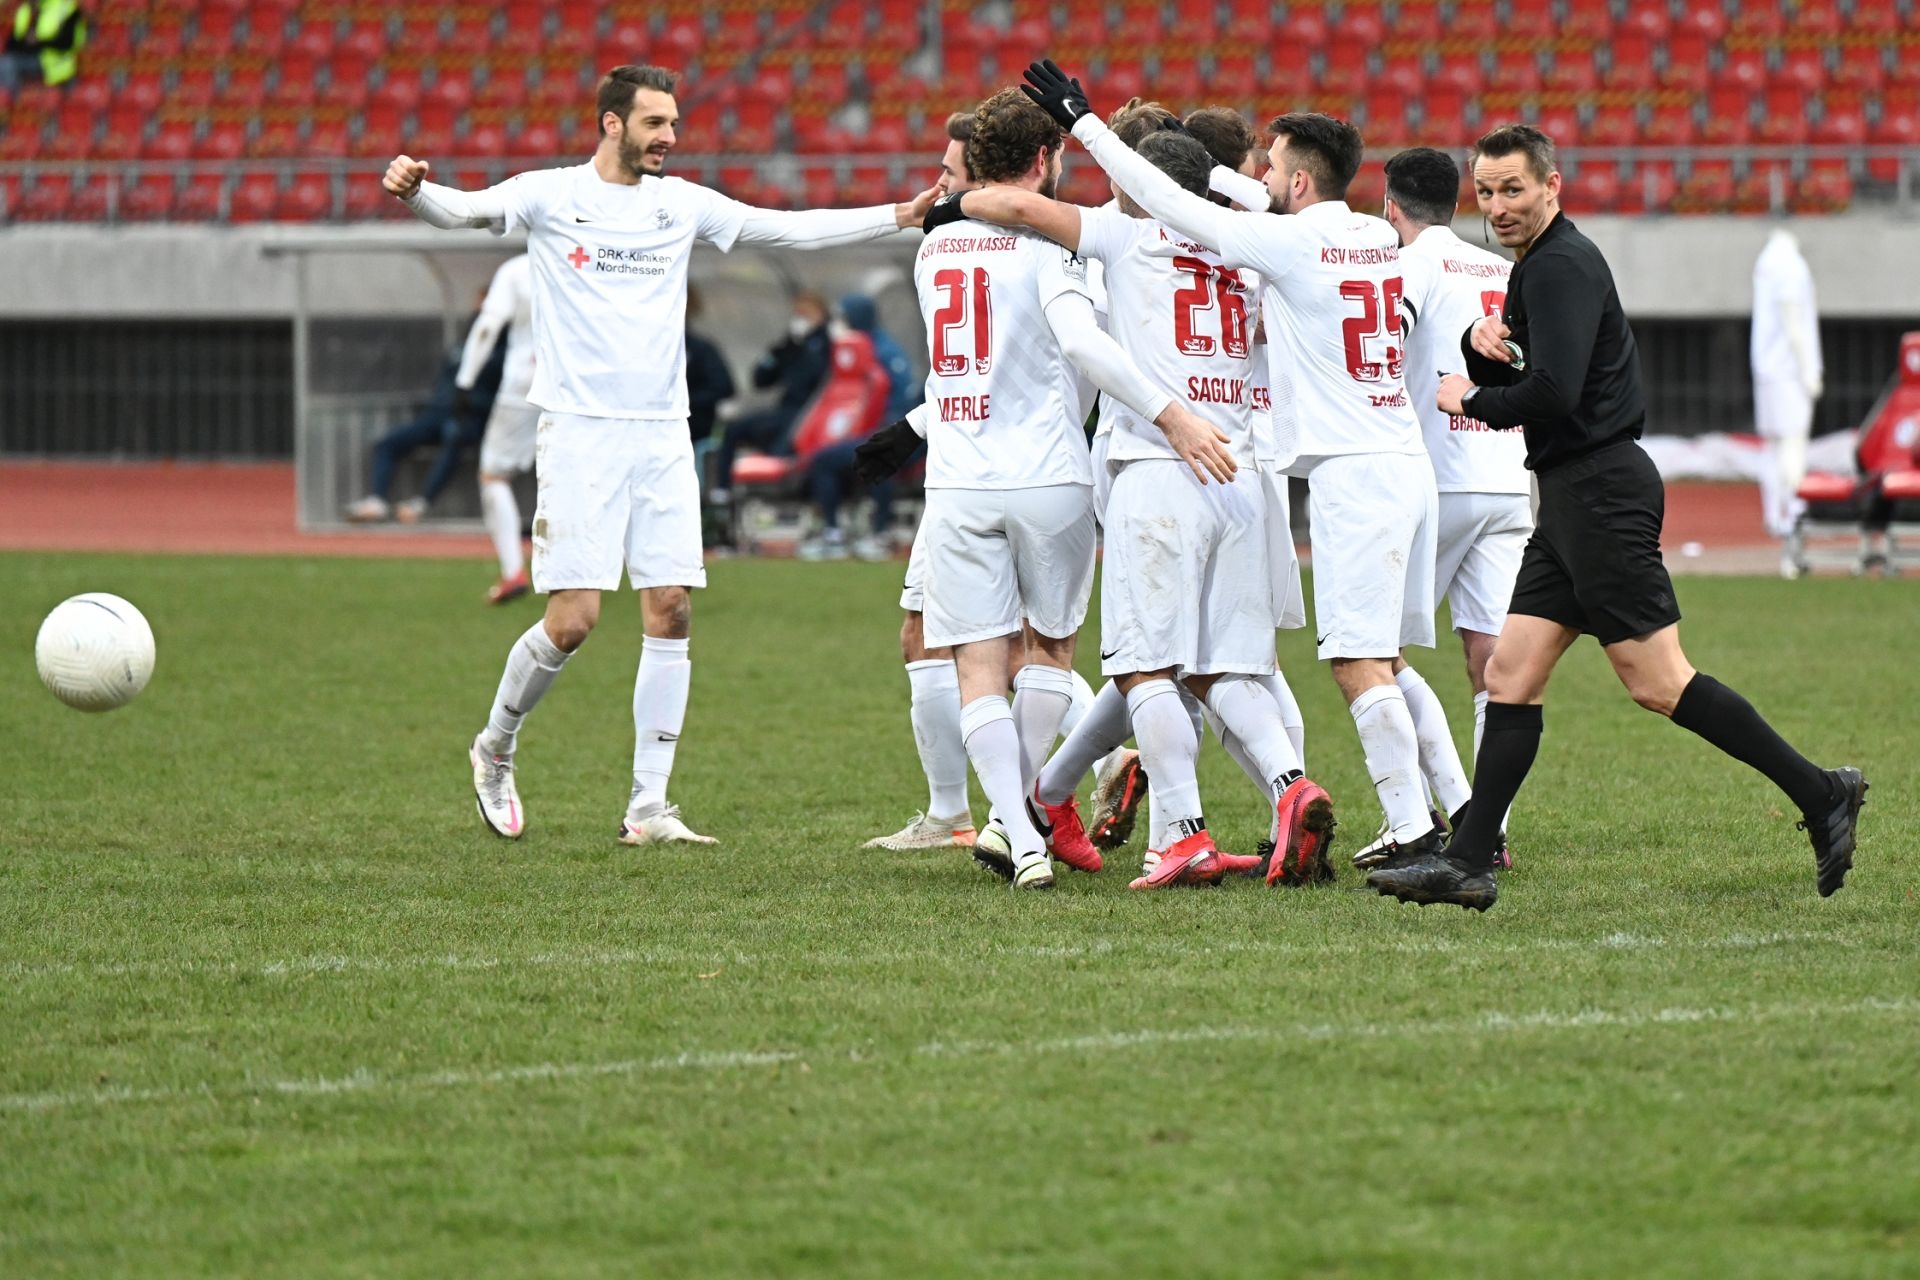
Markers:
1107,653
1322,639
578,218
666,737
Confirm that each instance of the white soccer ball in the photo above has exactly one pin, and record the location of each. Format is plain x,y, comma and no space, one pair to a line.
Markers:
95,652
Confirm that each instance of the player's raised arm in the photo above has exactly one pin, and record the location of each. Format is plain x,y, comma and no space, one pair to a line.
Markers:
828,228
1005,206
439,206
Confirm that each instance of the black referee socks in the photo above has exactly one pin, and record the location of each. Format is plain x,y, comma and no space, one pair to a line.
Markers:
1507,747
1729,722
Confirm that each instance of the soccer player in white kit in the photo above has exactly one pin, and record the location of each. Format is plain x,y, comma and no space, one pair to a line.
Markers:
1187,595
609,243
1009,520
1481,473
1331,292
506,449
1787,376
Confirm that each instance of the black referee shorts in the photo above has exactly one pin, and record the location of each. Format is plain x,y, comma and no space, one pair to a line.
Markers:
1593,562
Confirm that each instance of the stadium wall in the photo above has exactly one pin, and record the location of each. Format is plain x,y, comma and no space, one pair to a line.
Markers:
118,339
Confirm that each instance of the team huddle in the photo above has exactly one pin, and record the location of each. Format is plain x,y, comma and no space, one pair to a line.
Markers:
1229,332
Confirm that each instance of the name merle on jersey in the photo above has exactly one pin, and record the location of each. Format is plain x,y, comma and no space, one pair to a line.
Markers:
965,408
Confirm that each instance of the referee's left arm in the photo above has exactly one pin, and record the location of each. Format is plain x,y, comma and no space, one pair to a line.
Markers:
1563,306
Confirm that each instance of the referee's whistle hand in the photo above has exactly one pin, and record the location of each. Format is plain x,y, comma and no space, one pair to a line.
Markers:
403,176
1490,339
1453,391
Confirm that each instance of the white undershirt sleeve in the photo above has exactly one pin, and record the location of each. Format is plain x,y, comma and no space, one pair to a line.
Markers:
917,418
448,208
816,228
1248,193
1077,328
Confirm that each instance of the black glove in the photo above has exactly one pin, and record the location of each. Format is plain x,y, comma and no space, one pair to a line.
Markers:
945,210
881,454
1060,97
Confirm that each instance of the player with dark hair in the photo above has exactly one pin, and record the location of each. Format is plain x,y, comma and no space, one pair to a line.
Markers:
1330,291
609,243
1485,513
1228,137
1559,361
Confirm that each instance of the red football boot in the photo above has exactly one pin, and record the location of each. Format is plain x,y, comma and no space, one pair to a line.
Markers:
1306,831
1192,860
1066,838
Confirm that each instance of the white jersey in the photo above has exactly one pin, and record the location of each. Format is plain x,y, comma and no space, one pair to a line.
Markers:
1331,300
609,266
508,305
1786,318
1004,399
1089,393
1184,319
1450,284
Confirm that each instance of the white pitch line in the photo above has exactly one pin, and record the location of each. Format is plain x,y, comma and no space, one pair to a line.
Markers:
365,1081
631,957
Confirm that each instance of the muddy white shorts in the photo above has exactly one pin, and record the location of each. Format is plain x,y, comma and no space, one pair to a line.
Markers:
1185,582
614,493
1374,518
995,556
1482,536
512,430
1283,558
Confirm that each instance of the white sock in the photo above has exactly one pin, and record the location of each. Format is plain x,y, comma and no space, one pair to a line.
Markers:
1170,752
1248,712
936,732
659,713
1439,758
1479,723
1041,698
1392,749
1238,754
532,664
501,514
1101,729
1082,702
986,726
1276,684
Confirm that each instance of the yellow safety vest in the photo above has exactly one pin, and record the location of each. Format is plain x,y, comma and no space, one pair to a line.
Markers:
57,65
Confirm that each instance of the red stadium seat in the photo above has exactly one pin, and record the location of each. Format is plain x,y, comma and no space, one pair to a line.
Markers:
1685,67
525,25
1803,70
1817,18
143,91
1843,120
1670,125
365,39
165,40
1403,73
1861,66
1649,21
92,197
1743,68
1707,188
1140,24
1727,122
293,85
897,24
1369,189
245,87
1765,187
1783,118
1250,25
1346,70
308,198
1304,27
1125,78
199,198
1898,126
1475,21
1180,80
148,198
223,140
1759,18
381,132
124,136
1234,77
315,38
1589,20
1573,71
398,88
327,139
23,138
470,35
1364,22
171,140
46,200
1594,187
1879,17
1613,126
451,90
1561,123
1706,18
348,77
537,138
1418,21
1826,187
1630,62
1459,73
1533,20
276,138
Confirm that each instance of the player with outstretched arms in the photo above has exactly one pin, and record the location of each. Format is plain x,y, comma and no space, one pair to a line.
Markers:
1187,594
1485,503
1010,522
1331,293
609,243
506,449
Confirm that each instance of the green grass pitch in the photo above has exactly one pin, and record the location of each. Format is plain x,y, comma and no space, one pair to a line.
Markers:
275,1004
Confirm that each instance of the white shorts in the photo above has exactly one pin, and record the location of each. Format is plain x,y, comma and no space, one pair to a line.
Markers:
507,447
1283,558
1186,582
1781,410
995,556
1477,556
614,492
913,592
1373,527
1102,476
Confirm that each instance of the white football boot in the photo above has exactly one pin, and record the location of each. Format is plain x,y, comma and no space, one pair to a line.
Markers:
992,850
928,832
660,825
494,792
1033,870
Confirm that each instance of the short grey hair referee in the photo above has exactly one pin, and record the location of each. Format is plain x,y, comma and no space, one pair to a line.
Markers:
1560,362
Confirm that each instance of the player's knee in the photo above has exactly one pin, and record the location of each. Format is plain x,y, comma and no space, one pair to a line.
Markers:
1657,696
569,629
669,613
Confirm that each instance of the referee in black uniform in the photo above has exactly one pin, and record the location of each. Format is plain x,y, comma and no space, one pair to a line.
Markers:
1560,362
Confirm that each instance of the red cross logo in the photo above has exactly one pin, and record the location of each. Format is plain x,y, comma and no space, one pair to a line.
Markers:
578,257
